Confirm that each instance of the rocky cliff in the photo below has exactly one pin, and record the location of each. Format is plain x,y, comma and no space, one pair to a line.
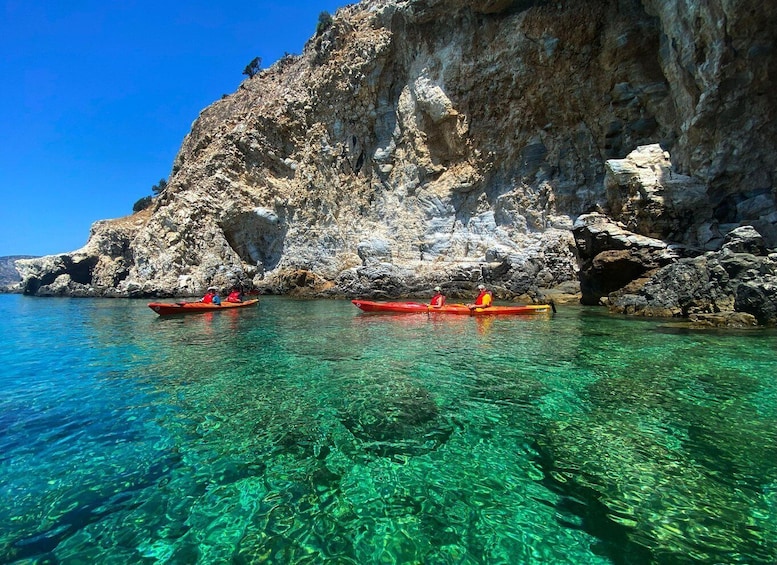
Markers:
9,276
422,142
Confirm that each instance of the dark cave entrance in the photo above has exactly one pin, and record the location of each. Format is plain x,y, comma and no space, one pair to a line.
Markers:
257,237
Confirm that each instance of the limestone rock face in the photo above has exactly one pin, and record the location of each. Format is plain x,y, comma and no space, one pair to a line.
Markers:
719,58
650,198
9,275
97,269
424,142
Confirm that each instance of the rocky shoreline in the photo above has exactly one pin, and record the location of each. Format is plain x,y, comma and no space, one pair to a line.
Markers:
733,287
620,153
627,273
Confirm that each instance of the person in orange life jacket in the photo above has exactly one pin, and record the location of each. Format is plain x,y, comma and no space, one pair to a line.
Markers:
483,299
234,295
438,299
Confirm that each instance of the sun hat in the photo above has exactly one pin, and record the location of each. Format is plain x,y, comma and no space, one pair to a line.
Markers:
437,288
481,287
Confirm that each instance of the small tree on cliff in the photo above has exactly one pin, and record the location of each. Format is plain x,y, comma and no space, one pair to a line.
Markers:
159,188
324,21
147,201
143,203
253,67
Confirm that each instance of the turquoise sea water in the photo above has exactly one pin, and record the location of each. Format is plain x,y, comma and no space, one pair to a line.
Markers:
309,432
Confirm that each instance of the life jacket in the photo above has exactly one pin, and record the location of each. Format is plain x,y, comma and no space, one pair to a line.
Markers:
208,298
484,299
234,297
438,300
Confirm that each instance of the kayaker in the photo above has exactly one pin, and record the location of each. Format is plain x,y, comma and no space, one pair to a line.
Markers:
212,296
235,295
438,300
483,299
208,298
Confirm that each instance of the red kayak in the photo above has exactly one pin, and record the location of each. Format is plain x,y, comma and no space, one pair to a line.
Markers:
461,309
166,308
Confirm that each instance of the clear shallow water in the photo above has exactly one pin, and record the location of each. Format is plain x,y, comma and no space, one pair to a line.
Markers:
309,432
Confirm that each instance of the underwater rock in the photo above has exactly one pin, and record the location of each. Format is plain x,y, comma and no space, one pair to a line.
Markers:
395,418
652,493
649,449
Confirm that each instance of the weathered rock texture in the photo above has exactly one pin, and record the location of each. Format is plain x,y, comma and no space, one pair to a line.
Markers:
421,142
9,275
736,286
612,258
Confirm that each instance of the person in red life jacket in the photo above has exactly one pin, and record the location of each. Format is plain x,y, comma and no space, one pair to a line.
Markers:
483,299
212,296
235,295
438,299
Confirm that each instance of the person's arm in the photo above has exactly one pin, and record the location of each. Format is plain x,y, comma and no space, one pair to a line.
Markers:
482,301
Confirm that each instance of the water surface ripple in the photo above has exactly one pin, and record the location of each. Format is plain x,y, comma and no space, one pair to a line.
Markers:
309,432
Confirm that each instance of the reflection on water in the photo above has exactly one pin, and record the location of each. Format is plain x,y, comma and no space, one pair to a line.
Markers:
309,432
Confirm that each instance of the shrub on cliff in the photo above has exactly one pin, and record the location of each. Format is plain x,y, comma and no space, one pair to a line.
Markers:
159,188
143,203
324,21
253,67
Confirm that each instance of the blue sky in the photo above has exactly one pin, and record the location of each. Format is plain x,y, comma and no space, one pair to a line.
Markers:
98,95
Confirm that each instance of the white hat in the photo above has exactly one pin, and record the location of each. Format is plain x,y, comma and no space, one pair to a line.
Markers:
481,287
437,288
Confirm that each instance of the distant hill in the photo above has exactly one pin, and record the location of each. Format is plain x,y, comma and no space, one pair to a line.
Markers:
8,273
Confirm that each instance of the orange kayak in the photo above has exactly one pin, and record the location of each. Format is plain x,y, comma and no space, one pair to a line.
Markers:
166,308
461,309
